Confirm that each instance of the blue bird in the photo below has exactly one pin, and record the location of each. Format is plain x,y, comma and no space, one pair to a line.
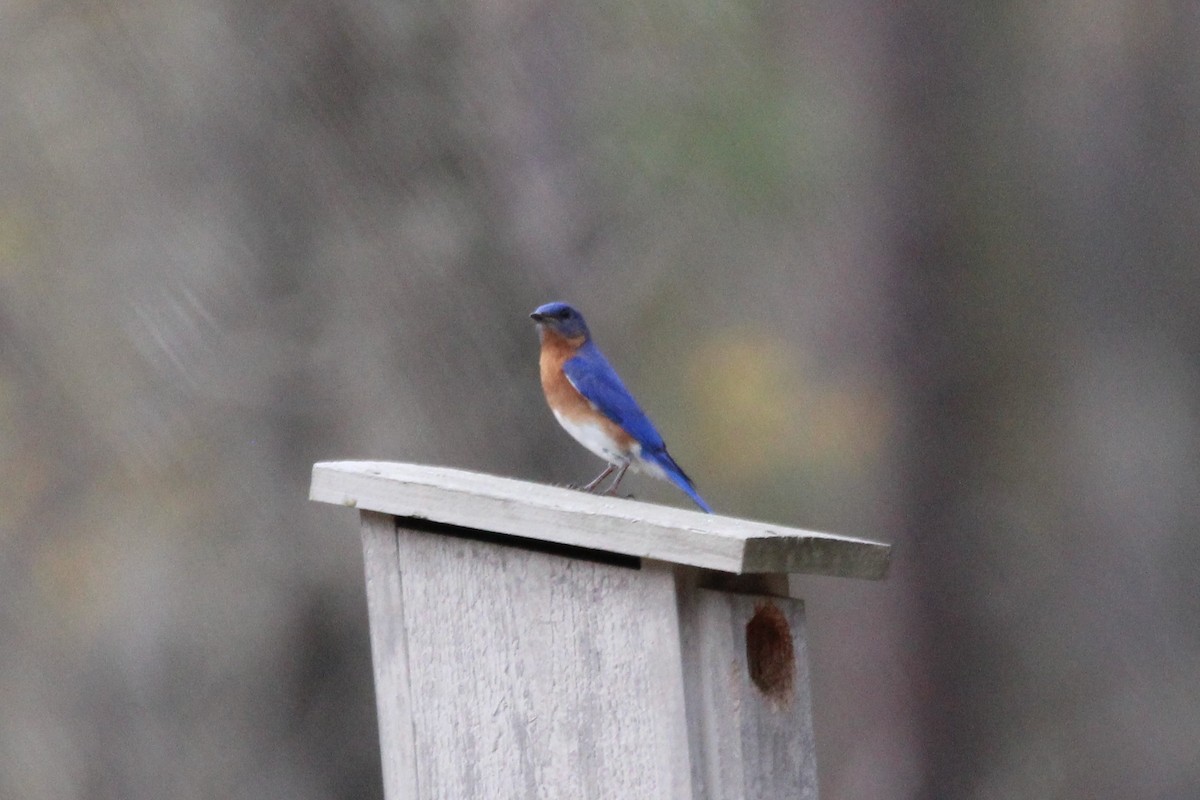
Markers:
591,403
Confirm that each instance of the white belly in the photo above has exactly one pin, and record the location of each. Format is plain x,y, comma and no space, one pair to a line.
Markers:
594,438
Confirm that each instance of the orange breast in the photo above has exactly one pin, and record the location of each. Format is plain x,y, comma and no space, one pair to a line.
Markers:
564,399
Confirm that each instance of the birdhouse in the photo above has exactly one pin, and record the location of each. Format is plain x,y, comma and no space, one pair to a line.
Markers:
535,641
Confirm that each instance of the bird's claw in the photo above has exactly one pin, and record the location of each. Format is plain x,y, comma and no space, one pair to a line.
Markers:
607,493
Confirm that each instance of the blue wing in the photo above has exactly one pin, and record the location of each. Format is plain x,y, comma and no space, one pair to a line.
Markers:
591,374
594,378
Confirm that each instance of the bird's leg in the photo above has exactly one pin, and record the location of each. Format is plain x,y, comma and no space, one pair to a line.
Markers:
617,481
599,478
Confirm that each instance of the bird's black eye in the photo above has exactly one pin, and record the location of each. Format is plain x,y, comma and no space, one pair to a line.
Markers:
563,313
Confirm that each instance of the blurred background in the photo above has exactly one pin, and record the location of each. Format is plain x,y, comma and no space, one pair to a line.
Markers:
924,272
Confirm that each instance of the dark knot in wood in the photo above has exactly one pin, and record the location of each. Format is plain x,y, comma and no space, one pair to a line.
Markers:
770,654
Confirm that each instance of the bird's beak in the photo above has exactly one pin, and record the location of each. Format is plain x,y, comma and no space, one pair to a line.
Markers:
536,317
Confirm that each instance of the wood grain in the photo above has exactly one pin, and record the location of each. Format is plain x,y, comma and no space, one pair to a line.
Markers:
389,655
565,516
747,743
537,676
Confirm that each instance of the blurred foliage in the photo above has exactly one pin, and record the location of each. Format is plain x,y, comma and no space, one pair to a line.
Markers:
925,273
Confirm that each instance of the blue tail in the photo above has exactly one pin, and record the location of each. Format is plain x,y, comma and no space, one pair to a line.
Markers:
680,479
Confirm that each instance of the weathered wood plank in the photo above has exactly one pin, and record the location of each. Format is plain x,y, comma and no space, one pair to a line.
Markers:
538,676
748,696
389,655
565,516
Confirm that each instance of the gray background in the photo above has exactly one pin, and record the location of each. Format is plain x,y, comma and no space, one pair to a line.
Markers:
925,272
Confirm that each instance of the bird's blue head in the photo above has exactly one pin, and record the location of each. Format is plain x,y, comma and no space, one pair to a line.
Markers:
562,319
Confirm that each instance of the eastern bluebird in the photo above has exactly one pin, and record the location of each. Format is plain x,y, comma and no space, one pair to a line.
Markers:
592,404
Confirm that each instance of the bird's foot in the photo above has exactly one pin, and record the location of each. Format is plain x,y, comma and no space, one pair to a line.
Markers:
578,487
